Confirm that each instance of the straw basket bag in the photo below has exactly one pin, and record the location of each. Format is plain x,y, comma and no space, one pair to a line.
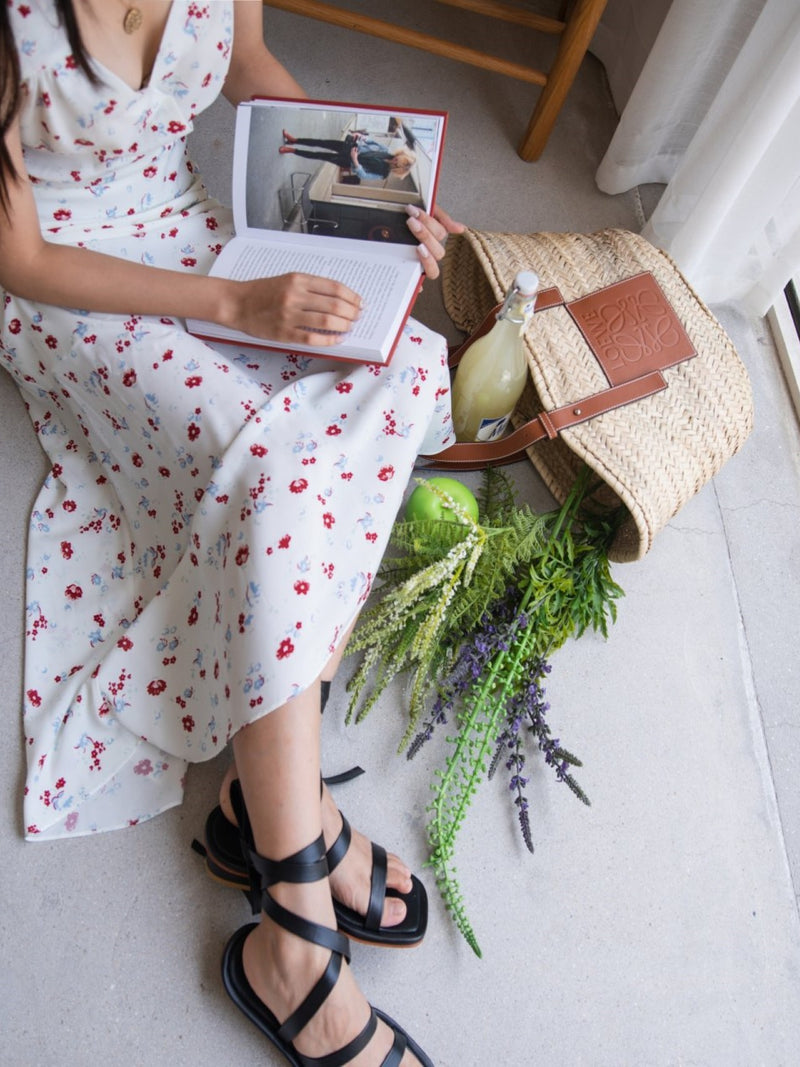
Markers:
629,371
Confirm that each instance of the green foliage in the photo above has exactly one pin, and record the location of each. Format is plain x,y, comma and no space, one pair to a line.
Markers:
473,611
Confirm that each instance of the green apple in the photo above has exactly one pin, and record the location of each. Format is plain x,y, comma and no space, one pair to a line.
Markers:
425,504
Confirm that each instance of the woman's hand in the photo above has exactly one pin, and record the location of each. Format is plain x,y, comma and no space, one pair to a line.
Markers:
431,231
294,309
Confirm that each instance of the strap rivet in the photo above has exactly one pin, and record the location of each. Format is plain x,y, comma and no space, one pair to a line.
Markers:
577,411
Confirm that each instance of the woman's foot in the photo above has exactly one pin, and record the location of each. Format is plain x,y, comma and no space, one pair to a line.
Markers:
284,148
350,882
281,969
287,138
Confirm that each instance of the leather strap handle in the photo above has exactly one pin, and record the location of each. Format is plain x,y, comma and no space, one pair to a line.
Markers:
547,425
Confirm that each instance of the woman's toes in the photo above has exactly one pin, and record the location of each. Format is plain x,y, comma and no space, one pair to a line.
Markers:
394,911
398,876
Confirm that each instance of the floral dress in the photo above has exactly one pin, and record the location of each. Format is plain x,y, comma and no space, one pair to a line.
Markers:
213,519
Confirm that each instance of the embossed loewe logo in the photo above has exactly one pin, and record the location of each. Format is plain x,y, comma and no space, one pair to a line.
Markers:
632,329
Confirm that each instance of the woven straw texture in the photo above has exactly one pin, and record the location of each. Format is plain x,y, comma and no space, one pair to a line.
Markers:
653,455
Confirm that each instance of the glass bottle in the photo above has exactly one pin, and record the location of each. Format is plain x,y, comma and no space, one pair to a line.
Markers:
493,371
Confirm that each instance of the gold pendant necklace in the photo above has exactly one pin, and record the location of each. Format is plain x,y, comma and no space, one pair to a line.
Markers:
133,20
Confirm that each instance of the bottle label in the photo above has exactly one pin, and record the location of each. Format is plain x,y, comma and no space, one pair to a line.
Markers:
492,429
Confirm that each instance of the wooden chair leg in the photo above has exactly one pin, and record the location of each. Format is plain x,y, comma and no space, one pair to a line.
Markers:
571,50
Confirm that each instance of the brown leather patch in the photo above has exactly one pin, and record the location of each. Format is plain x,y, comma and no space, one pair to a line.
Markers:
631,328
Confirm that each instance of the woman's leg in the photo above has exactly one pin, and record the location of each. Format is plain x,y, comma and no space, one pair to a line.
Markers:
278,760
350,882
340,157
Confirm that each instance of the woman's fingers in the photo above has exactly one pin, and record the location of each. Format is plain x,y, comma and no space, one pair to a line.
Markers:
301,308
431,231
449,223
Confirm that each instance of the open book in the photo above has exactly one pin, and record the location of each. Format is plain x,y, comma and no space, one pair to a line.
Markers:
337,210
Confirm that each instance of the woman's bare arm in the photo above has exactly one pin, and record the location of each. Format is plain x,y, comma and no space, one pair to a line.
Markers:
292,308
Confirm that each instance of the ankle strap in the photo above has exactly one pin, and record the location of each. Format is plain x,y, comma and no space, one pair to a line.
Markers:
308,865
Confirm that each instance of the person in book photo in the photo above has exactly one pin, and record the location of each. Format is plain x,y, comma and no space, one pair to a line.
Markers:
358,153
212,520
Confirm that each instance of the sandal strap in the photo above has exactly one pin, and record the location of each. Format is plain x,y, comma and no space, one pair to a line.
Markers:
304,1012
377,889
307,929
349,1051
307,865
396,1052
338,850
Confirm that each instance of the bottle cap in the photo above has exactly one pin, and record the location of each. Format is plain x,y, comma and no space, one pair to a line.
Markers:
526,282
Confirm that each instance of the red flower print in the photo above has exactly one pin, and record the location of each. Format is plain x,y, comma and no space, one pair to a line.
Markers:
333,431
73,592
242,556
14,326
144,766
298,485
285,648
193,616
175,127
188,723
301,588
66,549
34,698
69,505
125,644
164,472
344,387
189,261
258,450
149,172
328,520
386,474
51,341
193,432
129,378
285,541
156,687
211,223
62,214
193,381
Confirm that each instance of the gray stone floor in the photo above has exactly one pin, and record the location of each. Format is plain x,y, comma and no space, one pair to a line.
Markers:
658,927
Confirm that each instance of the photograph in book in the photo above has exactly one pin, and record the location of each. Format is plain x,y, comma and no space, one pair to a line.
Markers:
323,188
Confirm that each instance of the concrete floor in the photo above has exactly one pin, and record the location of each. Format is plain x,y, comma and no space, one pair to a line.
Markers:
658,927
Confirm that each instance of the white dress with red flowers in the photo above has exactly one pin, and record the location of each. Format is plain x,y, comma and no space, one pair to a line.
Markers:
213,519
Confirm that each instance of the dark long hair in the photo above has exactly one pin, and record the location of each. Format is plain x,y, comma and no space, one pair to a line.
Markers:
10,92
9,100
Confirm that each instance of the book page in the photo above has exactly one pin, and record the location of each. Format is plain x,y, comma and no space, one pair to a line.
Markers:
375,281
387,285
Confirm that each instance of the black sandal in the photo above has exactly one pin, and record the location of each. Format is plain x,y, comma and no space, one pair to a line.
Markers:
226,864
307,865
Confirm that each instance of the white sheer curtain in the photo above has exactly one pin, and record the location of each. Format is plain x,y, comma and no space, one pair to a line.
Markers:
715,113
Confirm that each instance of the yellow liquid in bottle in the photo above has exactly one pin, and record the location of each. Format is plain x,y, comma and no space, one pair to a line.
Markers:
494,369
489,382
